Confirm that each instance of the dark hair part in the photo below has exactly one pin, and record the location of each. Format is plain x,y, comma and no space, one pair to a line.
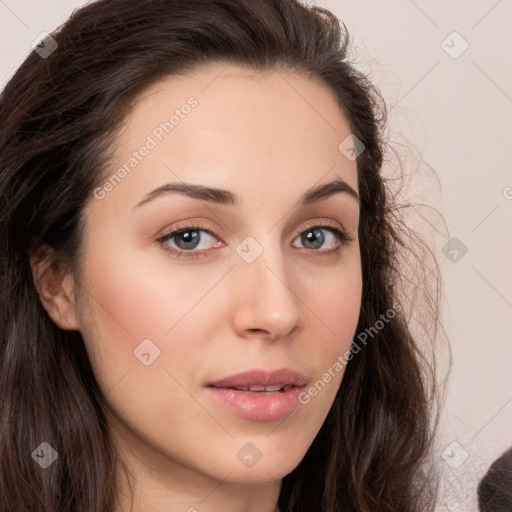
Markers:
59,117
495,488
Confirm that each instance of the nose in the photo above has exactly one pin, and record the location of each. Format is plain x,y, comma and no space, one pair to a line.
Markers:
266,306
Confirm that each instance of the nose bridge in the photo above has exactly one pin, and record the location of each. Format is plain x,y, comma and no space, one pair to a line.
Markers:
267,300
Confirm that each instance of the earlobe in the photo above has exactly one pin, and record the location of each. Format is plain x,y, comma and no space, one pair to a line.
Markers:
55,287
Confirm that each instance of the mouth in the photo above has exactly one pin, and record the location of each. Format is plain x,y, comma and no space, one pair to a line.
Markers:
259,395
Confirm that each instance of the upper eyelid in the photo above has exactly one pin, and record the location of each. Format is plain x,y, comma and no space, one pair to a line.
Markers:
191,225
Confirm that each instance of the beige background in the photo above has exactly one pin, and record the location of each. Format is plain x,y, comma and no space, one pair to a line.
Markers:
456,108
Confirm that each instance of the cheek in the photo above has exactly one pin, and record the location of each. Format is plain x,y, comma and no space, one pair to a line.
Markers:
128,302
340,304
143,329
333,306
334,301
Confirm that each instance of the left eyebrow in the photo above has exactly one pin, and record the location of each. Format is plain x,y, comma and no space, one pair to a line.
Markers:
226,197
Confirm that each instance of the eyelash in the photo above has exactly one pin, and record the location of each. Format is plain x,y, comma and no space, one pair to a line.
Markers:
342,235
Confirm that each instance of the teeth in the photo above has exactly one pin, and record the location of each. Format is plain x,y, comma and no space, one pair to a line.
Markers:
277,387
257,388
273,388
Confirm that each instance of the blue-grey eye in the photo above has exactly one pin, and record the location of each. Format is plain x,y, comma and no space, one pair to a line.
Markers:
189,239
315,238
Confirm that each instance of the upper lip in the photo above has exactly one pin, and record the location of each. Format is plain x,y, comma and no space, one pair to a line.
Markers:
262,377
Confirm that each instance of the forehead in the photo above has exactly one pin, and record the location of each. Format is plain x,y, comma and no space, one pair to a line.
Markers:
233,127
229,93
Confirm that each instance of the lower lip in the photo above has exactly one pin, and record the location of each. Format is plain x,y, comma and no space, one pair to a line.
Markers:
258,406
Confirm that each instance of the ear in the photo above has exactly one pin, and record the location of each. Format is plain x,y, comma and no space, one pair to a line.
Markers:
55,287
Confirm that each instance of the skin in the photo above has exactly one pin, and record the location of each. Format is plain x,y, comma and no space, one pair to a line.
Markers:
268,137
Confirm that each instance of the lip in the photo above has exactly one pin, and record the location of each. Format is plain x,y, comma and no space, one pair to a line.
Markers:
261,377
259,405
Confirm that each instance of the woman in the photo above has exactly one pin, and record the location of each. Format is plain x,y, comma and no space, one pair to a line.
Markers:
203,272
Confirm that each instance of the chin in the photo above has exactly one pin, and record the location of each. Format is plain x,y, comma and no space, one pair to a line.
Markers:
266,473
260,459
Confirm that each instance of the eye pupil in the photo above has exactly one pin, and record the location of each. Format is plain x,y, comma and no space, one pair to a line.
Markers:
315,236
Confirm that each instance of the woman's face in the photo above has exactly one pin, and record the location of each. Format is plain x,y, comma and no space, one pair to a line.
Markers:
258,288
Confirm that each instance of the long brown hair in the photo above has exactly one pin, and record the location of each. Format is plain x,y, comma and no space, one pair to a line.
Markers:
59,115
